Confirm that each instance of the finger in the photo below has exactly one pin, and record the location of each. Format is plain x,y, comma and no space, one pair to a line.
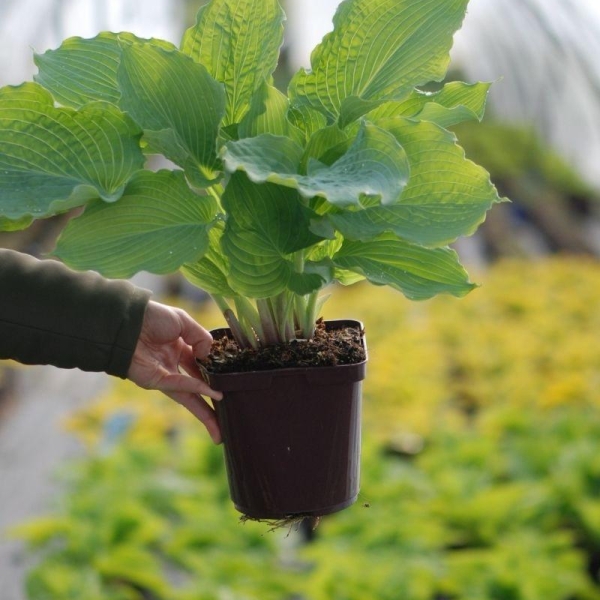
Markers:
195,335
175,382
187,361
202,411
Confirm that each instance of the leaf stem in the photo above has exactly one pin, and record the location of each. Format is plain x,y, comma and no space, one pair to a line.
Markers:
248,314
216,191
267,319
237,330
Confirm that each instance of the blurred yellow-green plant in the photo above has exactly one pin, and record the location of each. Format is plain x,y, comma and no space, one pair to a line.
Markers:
481,470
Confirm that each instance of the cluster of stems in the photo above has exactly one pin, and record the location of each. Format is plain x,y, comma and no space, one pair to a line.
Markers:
270,321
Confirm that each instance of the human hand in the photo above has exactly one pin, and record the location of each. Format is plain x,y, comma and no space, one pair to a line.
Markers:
169,340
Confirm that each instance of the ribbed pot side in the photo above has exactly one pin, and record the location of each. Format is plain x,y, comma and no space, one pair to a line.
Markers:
292,437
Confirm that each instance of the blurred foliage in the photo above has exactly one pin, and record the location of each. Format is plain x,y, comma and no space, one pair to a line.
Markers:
509,151
481,473
550,201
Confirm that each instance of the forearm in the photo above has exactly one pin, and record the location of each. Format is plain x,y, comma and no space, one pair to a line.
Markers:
52,315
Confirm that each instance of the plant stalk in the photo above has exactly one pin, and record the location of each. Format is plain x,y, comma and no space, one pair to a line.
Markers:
238,331
267,319
248,315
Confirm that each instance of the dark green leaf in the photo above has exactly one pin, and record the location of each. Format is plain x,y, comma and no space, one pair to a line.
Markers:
268,114
266,224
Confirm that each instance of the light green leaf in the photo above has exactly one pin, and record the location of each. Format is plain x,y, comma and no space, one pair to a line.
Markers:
268,114
374,166
210,273
352,108
419,273
454,103
314,277
347,277
326,146
306,119
378,50
52,159
179,106
238,42
85,70
15,225
266,158
447,195
265,225
158,225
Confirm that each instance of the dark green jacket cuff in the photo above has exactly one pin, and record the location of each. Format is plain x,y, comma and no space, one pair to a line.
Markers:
52,315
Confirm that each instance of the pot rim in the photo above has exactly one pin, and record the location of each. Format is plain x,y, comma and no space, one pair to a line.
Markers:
329,375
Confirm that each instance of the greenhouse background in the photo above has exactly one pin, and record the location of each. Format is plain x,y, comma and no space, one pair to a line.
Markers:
481,470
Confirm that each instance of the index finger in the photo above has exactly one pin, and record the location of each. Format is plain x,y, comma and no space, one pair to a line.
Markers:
194,335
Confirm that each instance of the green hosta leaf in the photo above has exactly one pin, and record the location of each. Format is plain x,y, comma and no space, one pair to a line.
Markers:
379,50
352,108
419,273
266,224
268,114
306,119
238,41
210,272
84,70
314,277
347,277
374,166
447,195
178,104
15,225
52,159
264,158
454,103
326,146
158,225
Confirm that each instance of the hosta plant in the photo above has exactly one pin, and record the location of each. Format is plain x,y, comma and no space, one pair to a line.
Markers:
268,197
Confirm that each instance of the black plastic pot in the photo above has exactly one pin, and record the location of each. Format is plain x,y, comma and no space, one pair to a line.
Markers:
292,437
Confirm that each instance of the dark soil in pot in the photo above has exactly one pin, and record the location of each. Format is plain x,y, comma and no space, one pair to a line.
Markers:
292,434
329,347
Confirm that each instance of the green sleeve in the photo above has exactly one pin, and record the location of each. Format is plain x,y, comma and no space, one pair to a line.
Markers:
52,315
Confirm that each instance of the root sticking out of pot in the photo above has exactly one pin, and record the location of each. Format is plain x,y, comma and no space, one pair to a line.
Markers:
291,523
